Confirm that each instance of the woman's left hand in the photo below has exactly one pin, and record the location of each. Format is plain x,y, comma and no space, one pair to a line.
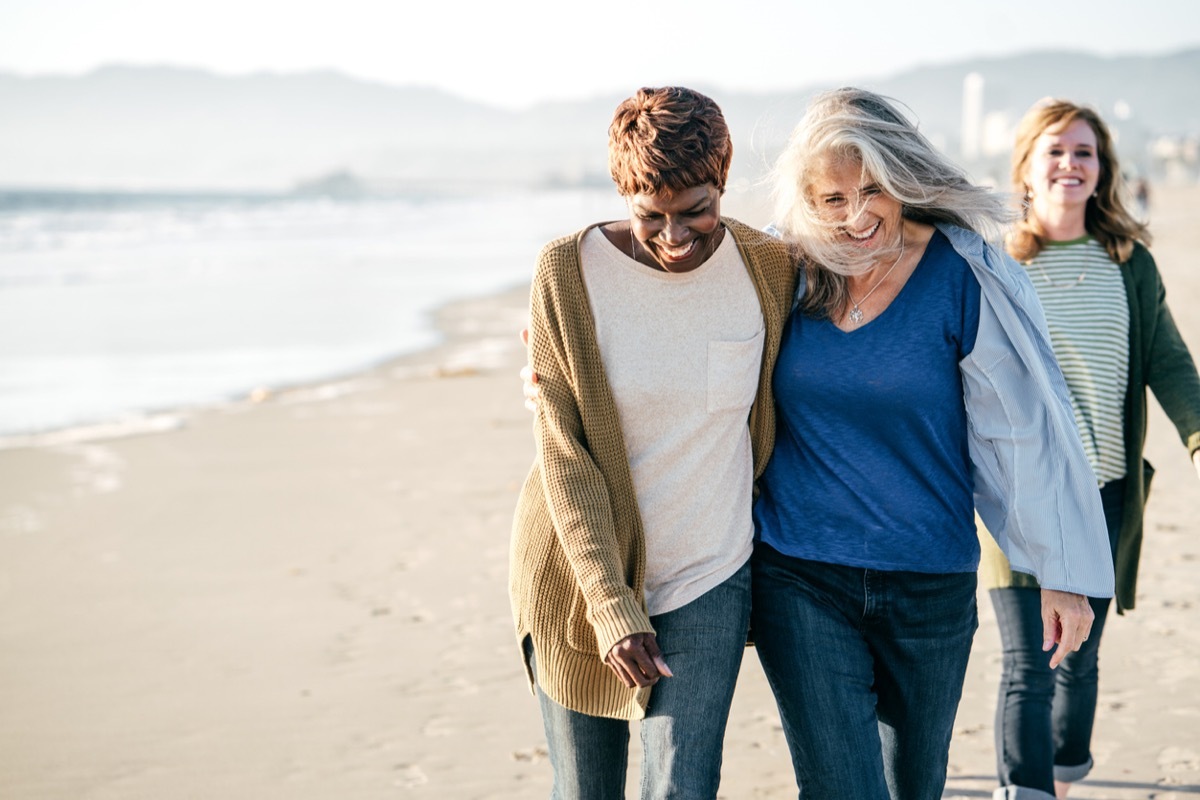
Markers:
1066,620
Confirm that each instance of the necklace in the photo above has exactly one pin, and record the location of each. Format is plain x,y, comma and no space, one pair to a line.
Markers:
1066,284
856,313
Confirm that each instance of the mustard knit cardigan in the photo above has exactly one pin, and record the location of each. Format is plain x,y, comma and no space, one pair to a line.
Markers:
577,558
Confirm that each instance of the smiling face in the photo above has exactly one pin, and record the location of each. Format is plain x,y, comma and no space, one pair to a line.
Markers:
850,201
1064,167
676,231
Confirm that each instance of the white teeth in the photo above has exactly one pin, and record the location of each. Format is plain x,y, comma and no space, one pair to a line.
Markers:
862,236
679,252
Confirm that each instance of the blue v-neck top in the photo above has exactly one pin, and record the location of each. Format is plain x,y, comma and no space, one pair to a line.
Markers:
871,465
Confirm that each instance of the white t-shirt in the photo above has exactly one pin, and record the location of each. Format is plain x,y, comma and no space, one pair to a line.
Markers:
682,353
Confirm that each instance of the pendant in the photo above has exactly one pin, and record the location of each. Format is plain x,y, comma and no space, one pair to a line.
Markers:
856,315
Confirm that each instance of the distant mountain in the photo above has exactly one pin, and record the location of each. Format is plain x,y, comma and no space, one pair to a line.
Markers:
123,127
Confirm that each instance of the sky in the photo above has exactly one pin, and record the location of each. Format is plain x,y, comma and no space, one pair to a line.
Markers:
517,53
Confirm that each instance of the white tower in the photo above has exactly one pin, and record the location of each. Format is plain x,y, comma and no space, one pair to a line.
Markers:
972,116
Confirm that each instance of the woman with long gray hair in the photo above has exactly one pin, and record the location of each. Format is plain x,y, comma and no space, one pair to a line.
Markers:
915,384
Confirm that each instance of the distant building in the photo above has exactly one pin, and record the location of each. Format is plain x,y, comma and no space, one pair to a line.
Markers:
972,116
998,134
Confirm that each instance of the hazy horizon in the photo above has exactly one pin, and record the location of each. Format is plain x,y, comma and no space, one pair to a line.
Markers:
490,54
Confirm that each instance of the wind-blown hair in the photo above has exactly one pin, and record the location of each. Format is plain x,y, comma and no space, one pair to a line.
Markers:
864,128
667,140
1106,217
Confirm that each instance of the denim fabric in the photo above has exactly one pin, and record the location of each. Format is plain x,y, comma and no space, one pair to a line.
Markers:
867,668
1044,717
684,729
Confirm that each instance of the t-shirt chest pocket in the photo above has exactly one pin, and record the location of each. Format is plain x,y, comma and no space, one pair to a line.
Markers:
733,370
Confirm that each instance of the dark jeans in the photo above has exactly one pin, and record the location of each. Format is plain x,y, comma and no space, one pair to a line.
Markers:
867,668
684,729
1044,717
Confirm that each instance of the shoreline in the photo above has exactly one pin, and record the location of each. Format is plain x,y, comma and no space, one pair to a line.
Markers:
458,349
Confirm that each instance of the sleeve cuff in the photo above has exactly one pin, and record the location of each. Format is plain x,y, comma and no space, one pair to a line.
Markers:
623,617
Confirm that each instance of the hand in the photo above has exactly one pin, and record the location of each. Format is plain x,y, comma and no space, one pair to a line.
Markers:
529,377
1066,620
637,661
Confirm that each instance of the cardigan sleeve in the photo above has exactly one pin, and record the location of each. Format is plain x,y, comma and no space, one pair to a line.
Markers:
577,489
1170,369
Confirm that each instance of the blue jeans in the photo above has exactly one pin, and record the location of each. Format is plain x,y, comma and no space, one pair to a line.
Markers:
1044,717
684,729
867,668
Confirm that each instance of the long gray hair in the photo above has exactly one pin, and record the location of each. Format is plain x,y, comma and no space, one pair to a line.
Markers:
864,128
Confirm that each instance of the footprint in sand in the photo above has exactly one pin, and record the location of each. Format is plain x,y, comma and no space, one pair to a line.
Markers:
438,727
464,687
411,775
1179,759
531,755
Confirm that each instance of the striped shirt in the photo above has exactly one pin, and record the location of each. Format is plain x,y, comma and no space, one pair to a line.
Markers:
1087,312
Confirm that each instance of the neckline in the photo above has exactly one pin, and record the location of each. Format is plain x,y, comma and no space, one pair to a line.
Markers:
1087,237
899,294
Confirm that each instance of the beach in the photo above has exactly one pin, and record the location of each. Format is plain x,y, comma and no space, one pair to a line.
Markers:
303,595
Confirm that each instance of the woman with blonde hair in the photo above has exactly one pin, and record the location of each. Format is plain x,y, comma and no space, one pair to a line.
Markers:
1114,336
914,385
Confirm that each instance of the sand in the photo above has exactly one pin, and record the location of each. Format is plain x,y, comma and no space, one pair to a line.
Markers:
305,596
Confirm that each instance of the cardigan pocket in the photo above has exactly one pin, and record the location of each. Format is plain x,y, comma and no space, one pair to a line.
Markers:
581,635
733,369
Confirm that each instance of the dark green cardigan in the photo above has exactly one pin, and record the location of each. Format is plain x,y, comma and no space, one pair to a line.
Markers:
1159,360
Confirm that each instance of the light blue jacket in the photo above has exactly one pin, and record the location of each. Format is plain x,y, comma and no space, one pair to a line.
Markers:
1034,488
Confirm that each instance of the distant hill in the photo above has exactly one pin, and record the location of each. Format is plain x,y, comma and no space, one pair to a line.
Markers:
123,127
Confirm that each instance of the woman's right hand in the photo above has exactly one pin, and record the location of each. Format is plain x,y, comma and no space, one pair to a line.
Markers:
529,377
637,661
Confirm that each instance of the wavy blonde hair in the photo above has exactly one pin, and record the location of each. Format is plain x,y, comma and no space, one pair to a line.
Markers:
1106,217
859,126
667,140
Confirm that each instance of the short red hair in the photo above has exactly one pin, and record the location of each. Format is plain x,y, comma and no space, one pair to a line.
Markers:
668,140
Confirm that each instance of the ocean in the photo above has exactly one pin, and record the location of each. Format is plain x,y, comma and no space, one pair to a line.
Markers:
115,308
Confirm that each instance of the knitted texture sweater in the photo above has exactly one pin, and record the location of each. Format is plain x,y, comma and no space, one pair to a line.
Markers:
577,556
1159,360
